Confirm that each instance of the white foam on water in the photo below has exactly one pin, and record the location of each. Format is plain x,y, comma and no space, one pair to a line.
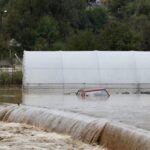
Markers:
18,136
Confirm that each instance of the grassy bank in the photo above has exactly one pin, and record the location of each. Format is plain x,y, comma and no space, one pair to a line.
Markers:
11,78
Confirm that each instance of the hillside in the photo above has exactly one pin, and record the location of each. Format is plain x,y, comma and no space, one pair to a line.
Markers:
73,25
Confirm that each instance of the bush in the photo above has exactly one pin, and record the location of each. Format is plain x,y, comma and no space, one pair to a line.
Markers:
17,78
94,19
83,40
11,78
118,36
5,78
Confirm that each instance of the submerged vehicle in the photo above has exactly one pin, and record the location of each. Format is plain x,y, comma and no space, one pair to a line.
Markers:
92,92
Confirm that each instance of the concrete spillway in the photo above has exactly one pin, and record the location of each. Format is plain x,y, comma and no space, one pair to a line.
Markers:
112,135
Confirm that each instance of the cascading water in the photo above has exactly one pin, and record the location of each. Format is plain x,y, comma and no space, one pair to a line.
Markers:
114,136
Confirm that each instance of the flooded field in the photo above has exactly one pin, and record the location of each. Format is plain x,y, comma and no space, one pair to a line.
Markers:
127,108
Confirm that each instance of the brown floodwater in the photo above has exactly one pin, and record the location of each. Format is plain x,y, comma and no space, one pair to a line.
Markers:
15,136
11,95
131,109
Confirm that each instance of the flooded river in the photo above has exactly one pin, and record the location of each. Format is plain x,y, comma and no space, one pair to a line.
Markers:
131,109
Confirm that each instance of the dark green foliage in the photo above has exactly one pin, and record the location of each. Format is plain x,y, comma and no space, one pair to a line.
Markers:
141,25
10,78
3,3
41,44
59,45
118,36
17,78
146,38
71,25
5,78
117,8
84,40
47,29
94,19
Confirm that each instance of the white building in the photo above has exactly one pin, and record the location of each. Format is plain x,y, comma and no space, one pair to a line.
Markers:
76,69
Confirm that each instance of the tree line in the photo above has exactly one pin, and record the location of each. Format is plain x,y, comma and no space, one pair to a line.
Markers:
73,25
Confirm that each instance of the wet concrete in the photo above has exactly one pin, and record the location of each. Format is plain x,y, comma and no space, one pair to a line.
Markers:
131,109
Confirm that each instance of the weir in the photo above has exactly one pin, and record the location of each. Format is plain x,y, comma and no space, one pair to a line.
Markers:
112,135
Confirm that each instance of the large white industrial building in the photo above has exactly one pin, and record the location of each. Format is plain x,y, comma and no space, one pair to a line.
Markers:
76,69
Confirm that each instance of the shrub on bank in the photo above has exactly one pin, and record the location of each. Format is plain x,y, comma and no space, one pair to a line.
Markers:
17,78
5,78
11,78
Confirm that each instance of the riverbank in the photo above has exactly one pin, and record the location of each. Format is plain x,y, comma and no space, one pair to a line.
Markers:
18,136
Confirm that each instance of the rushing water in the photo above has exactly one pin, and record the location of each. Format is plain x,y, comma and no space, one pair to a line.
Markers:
24,137
131,109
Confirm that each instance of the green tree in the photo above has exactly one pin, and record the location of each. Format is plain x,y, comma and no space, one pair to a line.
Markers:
137,8
83,40
59,45
3,3
118,36
146,38
41,44
117,8
3,50
94,19
141,25
48,29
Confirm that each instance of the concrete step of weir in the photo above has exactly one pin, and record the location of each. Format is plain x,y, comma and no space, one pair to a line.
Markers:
110,134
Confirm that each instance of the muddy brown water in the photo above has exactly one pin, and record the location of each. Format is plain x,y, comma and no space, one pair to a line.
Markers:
11,95
133,109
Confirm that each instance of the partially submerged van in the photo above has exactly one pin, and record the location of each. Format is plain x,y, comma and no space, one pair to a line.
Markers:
92,92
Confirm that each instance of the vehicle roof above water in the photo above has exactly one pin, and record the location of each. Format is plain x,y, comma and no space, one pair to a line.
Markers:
91,89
